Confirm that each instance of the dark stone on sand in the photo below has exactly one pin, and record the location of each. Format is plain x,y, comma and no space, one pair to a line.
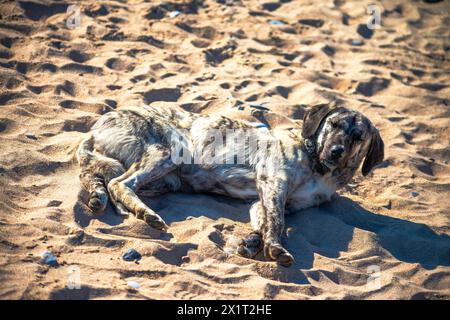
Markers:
131,255
49,258
364,31
329,51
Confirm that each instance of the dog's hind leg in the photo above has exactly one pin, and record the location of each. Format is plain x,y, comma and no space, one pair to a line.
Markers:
96,172
154,164
94,185
250,246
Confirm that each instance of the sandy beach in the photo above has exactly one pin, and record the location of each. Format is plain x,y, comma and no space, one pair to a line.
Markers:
386,236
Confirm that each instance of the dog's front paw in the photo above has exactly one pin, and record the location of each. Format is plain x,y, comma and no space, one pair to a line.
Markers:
275,251
250,246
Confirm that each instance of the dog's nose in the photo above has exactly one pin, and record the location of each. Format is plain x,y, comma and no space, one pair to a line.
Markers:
337,151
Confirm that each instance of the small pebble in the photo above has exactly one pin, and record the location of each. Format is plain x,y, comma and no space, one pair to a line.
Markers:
364,31
49,258
329,51
190,218
414,194
131,255
175,13
276,23
356,42
133,284
185,259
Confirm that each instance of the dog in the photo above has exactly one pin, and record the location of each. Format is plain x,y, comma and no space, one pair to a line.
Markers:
138,150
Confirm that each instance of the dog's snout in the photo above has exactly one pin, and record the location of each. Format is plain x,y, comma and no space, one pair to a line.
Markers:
337,151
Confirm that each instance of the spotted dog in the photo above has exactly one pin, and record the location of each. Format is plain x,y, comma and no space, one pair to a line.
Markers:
130,151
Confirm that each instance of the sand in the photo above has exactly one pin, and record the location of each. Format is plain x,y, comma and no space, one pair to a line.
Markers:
386,236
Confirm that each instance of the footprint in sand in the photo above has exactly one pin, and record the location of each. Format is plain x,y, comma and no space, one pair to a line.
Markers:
79,56
217,55
68,87
98,108
36,11
372,86
163,94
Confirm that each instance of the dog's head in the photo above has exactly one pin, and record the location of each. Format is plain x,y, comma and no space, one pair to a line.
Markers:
343,138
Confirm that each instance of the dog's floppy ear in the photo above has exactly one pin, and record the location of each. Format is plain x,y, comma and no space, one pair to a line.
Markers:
375,154
312,119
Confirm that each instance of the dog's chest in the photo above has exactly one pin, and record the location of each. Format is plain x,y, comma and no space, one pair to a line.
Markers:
313,192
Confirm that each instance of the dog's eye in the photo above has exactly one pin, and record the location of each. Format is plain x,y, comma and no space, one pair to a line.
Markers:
334,124
357,135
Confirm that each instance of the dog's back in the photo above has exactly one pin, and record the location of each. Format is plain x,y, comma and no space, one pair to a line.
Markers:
120,140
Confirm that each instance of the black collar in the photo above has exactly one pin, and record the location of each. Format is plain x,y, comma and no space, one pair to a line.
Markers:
310,148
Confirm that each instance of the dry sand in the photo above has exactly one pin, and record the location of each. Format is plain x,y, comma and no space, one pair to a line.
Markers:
212,57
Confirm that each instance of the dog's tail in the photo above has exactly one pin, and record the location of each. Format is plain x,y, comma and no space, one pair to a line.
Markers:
96,172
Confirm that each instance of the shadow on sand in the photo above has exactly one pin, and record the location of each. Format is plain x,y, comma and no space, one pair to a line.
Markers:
326,230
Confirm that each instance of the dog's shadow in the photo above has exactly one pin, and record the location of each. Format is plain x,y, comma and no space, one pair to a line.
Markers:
343,225
175,207
328,230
